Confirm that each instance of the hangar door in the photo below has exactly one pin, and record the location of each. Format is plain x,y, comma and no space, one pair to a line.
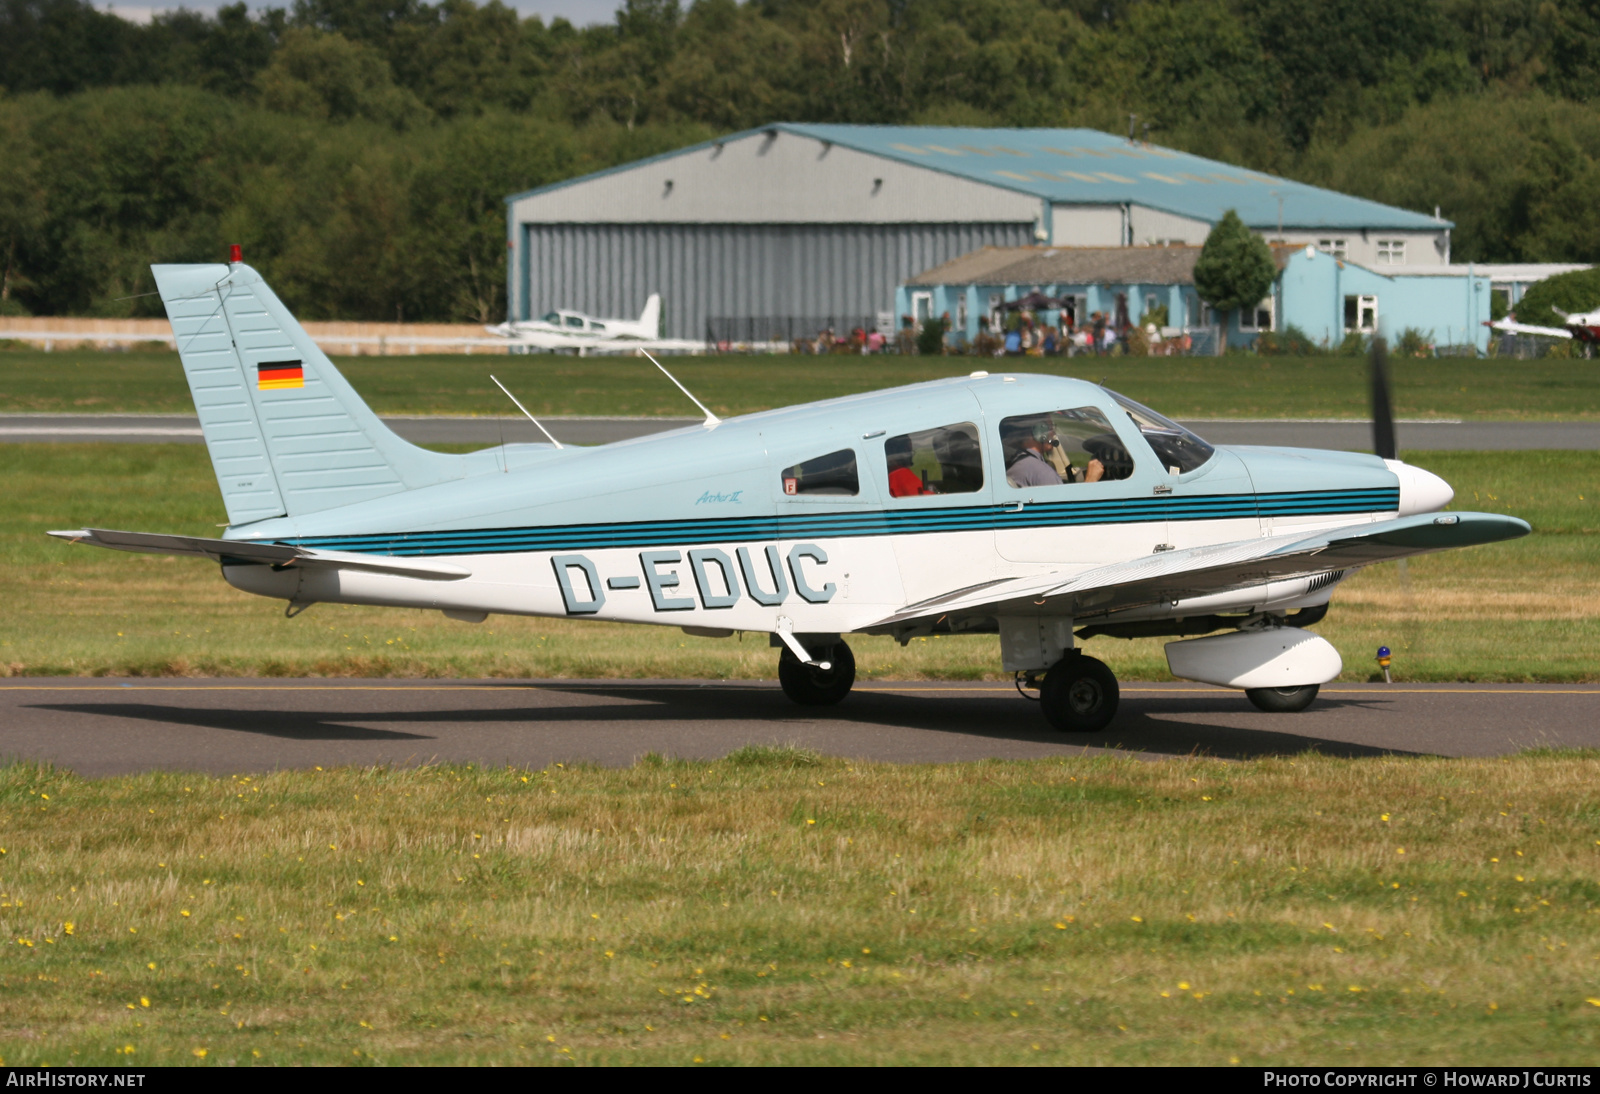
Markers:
705,271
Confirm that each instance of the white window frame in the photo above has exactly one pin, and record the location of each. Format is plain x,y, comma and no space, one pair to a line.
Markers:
1366,305
1250,318
961,313
1335,247
921,308
1391,252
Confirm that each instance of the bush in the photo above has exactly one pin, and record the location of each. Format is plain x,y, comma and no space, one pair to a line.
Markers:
930,339
1354,345
1413,343
1289,342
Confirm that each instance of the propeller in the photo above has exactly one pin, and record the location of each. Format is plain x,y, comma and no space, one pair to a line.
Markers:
1383,439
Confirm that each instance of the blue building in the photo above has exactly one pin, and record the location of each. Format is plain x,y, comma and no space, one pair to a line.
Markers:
1321,293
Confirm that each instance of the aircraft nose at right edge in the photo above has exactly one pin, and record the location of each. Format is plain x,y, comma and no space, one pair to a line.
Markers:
1420,491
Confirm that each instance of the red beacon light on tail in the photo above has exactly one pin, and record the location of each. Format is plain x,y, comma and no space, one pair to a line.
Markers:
235,254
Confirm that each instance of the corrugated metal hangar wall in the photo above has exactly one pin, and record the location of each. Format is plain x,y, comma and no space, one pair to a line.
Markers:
844,271
766,224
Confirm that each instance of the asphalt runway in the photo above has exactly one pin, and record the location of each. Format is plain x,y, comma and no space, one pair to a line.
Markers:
102,727
1352,436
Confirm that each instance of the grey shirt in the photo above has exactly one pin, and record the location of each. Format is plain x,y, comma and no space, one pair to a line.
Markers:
1029,470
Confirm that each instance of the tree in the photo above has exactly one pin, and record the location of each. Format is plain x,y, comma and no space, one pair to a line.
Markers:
1235,269
1578,291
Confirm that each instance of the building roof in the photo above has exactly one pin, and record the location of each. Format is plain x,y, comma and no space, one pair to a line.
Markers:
1088,167
1076,266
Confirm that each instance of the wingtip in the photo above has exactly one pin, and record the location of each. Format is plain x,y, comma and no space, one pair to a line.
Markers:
74,536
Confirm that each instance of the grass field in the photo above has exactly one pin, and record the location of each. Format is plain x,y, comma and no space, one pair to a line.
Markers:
1526,610
1231,387
772,907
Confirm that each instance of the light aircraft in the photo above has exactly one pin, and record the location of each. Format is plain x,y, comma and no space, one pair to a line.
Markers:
890,513
563,329
1585,327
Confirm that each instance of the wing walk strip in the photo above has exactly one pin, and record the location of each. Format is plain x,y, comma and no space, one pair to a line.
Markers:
876,523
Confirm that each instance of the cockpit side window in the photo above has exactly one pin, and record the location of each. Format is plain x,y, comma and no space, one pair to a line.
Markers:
1179,450
947,460
833,474
1063,446
575,321
553,318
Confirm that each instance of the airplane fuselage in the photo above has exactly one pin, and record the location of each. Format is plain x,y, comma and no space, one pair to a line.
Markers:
697,527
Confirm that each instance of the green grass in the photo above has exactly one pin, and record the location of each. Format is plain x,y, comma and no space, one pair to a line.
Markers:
779,908
1244,387
1525,610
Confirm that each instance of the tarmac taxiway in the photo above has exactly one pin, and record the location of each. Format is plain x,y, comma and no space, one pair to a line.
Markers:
106,726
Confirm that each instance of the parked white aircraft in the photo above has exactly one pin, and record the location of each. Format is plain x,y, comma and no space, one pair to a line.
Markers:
562,329
1585,327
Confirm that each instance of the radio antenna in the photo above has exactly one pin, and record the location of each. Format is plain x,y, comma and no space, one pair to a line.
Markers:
711,419
524,410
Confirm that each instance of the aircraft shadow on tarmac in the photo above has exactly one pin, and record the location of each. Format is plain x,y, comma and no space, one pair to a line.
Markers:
1145,724
292,725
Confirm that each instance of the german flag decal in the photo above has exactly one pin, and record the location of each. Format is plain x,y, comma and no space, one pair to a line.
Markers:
272,375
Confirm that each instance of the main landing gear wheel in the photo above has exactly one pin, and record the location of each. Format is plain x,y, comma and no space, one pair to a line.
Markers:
813,687
1079,694
1282,700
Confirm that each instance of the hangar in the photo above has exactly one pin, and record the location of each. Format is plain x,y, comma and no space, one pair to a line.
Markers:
820,223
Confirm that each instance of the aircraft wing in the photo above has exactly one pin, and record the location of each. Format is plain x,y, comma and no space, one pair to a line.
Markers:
275,554
1511,326
1224,567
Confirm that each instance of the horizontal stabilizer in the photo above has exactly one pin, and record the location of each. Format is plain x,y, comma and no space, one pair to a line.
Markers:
1203,571
275,554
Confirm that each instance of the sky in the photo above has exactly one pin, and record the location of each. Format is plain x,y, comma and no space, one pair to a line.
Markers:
578,12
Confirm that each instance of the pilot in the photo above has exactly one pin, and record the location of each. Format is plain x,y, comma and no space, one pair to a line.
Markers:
903,482
1041,461
1029,464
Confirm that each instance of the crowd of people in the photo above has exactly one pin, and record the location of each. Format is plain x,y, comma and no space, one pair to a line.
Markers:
1020,333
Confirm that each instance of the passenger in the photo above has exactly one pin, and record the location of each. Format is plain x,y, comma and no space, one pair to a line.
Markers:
903,482
960,466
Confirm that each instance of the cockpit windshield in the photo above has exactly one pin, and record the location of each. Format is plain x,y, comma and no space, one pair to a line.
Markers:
1179,450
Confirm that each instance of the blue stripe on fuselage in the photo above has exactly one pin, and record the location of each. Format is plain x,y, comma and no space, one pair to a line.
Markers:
665,533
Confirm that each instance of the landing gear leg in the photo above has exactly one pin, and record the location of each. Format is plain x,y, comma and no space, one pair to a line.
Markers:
1079,694
1282,700
811,686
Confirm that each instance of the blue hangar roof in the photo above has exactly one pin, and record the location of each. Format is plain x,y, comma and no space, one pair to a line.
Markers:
1088,167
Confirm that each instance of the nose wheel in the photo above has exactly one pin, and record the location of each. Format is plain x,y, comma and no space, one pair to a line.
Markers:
1282,700
1079,694
811,686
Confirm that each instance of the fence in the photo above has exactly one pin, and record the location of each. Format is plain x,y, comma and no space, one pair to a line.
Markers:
354,339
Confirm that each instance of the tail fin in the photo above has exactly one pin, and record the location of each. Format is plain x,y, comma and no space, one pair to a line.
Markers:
650,319
287,434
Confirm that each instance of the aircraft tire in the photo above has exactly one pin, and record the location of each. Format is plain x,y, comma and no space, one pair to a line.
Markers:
813,687
1282,700
1079,694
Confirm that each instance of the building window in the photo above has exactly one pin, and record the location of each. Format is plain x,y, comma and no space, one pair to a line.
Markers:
1258,317
995,318
1335,247
921,308
1391,252
1361,314
961,313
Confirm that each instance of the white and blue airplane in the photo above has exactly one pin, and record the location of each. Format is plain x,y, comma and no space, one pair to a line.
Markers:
1045,510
